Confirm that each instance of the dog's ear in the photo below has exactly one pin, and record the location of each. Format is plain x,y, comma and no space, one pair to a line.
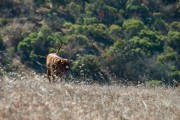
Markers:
60,61
66,61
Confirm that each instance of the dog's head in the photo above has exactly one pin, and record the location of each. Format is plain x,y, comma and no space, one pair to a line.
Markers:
65,63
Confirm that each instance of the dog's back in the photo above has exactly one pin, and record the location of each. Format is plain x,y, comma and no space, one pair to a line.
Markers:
52,58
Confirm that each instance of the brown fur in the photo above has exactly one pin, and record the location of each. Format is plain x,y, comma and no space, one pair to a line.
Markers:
56,66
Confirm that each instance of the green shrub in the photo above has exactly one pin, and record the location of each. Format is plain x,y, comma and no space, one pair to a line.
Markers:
8,3
79,44
36,46
153,83
89,69
174,40
39,2
2,47
115,32
90,20
57,3
175,26
6,63
76,9
3,21
136,6
176,75
134,60
24,47
132,27
161,25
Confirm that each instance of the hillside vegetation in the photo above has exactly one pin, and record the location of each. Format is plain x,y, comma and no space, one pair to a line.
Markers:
121,40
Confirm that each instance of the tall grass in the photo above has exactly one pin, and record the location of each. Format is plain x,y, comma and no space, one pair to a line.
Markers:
29,96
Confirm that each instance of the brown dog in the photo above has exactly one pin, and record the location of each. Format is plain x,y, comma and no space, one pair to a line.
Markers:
56,66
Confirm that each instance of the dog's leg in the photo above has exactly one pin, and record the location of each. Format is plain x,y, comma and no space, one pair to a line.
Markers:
49,75
52,74
61,77
53,78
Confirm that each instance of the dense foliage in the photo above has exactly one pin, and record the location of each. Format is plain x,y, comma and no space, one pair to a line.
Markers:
133,40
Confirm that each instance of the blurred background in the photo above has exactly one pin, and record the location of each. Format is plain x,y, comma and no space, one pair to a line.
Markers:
135,41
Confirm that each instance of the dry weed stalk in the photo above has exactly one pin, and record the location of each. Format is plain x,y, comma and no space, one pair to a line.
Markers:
30,96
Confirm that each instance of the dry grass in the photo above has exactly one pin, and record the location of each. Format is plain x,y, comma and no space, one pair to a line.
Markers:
31,97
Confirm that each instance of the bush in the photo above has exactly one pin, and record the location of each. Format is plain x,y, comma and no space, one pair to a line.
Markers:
79,44
15,32
36,46
134,60
3,21
147,43
8,3
2,47
136,6
6,63
39,2
115,32
173,40
57,3
75,12
153,83
170,56
161,25
87,67
132,27
175,26
91,20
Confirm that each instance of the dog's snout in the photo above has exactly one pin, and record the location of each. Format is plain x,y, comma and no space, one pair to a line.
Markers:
67,67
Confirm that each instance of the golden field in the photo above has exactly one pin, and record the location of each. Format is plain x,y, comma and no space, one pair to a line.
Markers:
31,97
